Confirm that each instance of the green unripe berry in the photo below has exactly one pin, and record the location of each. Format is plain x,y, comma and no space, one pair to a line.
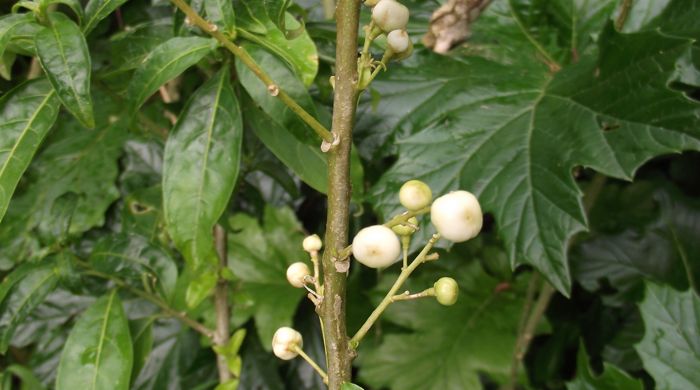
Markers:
446,291
415,195
406,229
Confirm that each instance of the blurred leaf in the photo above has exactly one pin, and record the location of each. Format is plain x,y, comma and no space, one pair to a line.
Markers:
663,250
221,13
129,48
74,6
259,255
21,40
98,353
20,292
446,347
141,331
255,15
612,378
350,386
670,348
201,164
64,55
164,63
96,10
26,115
503,140
259,369
27,378
132,258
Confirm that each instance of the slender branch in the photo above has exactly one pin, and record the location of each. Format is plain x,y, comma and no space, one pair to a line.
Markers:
546,293
390,296
167,310
328,8
243,55
624,12
527,306
312,363
221,336
407,296
339,355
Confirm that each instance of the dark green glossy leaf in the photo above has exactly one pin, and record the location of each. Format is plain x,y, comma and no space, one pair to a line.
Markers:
98,353
20,292
200,169
259,256
305,160
128,49
670,348
471,130
8,25
74,6
136,260
64,55
96,10
26,115
259,370
141,331
612,378
282,115
446,347
221,13
22,37
164,63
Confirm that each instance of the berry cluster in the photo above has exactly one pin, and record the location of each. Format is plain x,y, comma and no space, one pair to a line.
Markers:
456,216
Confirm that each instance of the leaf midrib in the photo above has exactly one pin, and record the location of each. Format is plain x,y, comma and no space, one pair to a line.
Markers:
101,340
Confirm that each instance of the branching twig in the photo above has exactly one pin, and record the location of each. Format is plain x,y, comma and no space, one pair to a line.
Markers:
243,55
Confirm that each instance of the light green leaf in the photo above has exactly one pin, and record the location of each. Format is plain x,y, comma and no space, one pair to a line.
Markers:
98,353
221,12
28,379
259,255
26,115
141,332
64,55
20,292
612,378
96,10
447,348
670,348
135,259
200,168
8,25
74,6
128,49
165,62
350,386
467,128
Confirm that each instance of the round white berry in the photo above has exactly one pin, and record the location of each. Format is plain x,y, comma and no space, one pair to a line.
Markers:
376,246
284,341
296,274
446,291
414,194
390,15
457,216
312,243
398,41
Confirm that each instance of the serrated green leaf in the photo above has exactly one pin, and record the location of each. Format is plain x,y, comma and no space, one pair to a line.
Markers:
279,112
260,259
98,353
64,55
165,62
670,348
612,378
447,347
299,51
136,260
96,10
221,12
504,141
200,168
26,115
20,292
305,160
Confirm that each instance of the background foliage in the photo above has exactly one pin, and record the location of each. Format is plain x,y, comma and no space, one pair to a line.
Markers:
107,203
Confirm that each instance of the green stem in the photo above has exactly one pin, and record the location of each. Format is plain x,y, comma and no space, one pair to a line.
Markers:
527,306
248,61
312,363
339,355
406,296
624,12
328,8
223,312
169,311
390,296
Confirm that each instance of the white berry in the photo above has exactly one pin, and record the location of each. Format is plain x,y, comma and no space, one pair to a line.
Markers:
371,3
457,216
414,194
446,291
376,246
398,41
312,243
390,15
284,341
296,274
